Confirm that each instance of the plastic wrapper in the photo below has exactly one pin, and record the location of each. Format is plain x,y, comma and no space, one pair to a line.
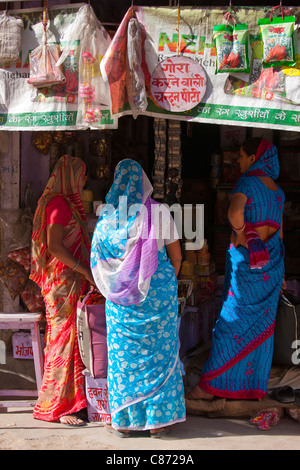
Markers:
13,277
43,68
32,297
10,37
231,44
22,257
277,38
135,79
94,41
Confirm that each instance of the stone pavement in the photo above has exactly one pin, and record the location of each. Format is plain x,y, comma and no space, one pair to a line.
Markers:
19,431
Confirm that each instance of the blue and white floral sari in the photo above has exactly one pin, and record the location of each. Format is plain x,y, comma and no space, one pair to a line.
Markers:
144,375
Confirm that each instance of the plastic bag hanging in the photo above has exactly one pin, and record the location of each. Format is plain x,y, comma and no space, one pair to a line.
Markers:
43,59
94,41
10,37
135,79
277,38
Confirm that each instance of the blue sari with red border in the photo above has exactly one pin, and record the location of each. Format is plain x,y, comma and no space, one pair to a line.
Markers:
240,359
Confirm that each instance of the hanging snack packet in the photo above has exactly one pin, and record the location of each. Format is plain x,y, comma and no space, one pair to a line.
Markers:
277,38
42,61
231,43
43,69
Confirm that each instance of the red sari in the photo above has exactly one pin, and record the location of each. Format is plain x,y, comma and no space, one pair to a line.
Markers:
62,390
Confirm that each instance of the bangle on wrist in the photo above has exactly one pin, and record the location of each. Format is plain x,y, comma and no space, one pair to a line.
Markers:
239,229
76,265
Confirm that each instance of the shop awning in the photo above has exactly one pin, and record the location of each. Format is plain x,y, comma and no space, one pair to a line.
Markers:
263,97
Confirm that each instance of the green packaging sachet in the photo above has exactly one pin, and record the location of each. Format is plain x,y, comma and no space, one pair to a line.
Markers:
231,43
277,38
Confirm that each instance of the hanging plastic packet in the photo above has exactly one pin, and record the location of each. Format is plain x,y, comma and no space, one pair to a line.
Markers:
10,37
43,71
135,79
277,38
231,43
93,101
42,61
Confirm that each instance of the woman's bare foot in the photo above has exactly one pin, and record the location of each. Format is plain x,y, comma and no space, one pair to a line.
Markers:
198,394
118,433
154,431
160,432
71,420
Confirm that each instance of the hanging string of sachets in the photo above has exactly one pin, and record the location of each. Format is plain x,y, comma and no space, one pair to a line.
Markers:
277,38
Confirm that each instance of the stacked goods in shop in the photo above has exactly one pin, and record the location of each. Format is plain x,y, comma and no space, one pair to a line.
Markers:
187,271
203,255
167,182
200,270
206,272
174,157
87,200
159,167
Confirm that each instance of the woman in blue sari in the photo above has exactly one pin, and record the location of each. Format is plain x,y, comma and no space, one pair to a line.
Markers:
135,261
240,359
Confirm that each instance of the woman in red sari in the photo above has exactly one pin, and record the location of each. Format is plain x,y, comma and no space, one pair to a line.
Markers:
60,266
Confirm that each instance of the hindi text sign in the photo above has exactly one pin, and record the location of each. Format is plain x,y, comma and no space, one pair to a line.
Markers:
178,84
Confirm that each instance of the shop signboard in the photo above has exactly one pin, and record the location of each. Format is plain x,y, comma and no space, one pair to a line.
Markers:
178,83
25,107
264,97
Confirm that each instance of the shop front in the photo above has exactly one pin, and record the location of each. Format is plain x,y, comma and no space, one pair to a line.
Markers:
210,78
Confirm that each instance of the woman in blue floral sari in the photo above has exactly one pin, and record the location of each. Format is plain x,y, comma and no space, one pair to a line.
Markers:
135,261
242,347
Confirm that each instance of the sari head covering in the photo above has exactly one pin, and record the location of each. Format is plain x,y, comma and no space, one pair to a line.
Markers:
266,161
124,252
66,180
